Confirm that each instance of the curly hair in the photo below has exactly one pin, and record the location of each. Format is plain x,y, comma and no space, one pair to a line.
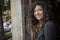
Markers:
34,24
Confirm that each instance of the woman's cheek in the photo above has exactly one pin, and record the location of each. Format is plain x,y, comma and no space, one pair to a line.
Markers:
40,11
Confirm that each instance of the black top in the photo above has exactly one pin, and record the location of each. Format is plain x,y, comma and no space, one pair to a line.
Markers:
49,32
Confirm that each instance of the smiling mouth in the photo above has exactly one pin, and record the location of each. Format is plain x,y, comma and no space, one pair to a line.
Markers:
38,16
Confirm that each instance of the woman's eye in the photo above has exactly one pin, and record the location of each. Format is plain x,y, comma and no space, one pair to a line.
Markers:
40,10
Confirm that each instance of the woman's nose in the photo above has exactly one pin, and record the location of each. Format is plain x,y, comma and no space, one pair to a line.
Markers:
37,12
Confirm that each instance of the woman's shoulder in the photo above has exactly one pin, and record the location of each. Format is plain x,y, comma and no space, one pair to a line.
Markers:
49,23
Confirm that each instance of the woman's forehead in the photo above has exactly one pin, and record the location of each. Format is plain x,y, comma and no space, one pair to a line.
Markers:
38,7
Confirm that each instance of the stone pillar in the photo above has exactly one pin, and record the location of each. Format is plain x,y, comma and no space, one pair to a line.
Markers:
16,15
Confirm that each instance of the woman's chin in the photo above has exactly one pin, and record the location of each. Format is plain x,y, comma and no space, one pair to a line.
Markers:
38,18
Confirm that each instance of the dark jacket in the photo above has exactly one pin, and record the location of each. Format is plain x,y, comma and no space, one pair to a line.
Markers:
49,32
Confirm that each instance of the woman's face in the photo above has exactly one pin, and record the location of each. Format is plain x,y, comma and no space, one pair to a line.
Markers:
38,12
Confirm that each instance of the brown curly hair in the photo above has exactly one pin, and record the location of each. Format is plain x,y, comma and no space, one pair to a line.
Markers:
33,24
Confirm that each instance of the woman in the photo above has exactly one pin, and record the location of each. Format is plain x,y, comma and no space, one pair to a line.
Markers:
40,24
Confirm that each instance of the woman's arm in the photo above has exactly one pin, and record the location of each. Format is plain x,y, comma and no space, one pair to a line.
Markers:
50,31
